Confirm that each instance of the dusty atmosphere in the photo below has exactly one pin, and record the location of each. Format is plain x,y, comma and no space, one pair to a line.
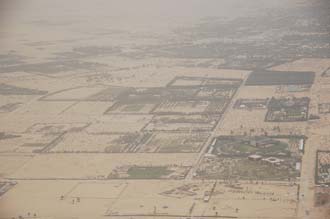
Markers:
164,109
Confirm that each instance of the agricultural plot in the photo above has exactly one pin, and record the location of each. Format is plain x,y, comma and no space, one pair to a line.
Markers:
269,78
26,143
9,59
55,128
182,123
6,89
39,107
288,109
251,104
42,137
214,93
88,108
9,107
123,123
241,168
324,108
38,138
149,172
326,73
253,158
184,81
83,142
5,187
178,107
158,94
322,196
73,94
53,67
110,94
264,146
134,142
293,88
190,107
130,108
175,142
87,93
322,175
211,89
91,166
10,103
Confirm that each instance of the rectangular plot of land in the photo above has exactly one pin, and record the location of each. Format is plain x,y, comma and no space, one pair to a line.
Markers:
190,107
326,73
89,108
119,123
258,157
26,143
110,94
323,167
9,107
212,93
83,142
149,172
54,128
11,163
203,81
242,168
175,143
185,81
42,107
264,77
164,197
324,108
97,190
92,166
130,108
6,89
263,146
79,93
251,104
182,123
288,109
5,187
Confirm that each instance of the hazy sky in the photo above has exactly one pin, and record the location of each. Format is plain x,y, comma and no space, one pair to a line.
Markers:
129,13
182,8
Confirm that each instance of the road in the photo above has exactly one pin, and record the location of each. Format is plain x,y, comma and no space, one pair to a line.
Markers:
214,133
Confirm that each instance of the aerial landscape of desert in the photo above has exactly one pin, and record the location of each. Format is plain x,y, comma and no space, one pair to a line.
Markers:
119,109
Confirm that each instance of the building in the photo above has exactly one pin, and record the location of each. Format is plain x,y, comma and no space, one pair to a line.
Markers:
255,157
273,160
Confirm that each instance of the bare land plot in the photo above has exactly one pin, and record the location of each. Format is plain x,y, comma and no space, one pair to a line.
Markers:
92,166
119,123
148,198
73,94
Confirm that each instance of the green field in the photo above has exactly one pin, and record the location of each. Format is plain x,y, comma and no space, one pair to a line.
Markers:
155,172
236,146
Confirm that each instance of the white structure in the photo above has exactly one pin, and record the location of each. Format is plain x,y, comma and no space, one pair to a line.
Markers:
301,144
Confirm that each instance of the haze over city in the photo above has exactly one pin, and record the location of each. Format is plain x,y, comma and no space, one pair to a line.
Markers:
165,109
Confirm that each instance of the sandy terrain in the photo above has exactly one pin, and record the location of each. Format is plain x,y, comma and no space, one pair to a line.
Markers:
112,116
